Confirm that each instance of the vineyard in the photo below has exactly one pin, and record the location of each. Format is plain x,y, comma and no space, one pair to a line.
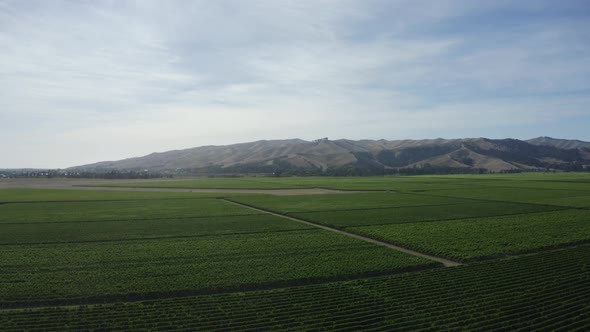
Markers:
488,237
546,291
414,214
87,251
74,260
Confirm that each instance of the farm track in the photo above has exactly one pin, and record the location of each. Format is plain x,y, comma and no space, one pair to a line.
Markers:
444,261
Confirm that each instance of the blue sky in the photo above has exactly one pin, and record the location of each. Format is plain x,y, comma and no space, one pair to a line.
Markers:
86,81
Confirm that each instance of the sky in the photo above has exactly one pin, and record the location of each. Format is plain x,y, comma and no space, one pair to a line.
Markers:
87,80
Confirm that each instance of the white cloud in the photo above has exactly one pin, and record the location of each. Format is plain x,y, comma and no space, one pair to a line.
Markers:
89,81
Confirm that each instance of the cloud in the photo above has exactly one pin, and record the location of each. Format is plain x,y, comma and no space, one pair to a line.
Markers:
89,81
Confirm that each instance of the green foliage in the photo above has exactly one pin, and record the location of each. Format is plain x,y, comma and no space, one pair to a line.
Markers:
84,250
487,237
217,183
578,181
58,272
92,231
56,195
577,201
410,214
509,194
546,291
91,211
341,202
202,262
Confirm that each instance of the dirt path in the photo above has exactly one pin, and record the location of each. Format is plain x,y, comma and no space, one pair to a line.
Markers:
80,184
445,262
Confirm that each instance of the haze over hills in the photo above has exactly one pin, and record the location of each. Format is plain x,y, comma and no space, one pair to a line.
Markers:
494,155
559,143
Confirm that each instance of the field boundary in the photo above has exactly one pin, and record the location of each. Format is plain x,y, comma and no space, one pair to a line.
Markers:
156,238
454,219
20,305
123,220
265,191
376,208
566,207
444,261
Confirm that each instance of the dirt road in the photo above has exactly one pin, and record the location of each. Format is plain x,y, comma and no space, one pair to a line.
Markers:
444,261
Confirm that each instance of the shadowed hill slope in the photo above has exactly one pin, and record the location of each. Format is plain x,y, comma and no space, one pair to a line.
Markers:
320,155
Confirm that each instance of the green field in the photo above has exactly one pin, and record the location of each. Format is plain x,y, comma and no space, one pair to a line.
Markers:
102,211
479,238
85,250
412,214
55,195
375,209
342,202
168,267
75,260
545,291
575,181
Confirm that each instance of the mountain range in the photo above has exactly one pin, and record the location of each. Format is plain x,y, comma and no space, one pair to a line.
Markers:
368,156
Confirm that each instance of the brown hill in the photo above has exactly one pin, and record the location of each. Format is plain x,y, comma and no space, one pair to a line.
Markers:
322,155
559,143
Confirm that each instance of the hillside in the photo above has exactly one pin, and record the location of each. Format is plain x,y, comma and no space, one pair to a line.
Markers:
320,156
560,143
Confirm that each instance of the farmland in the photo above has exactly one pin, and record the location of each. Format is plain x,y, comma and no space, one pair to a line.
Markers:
91,250
548,290
490,236
122,260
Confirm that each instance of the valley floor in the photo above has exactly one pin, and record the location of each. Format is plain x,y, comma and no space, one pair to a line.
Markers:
236,257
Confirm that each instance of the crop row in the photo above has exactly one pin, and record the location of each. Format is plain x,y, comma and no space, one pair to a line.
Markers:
343,203
96,211
532,292
121,269
344,183
487,237
59,195
575,201
578,182
573,181
401,215
218,183
55,233
508,194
